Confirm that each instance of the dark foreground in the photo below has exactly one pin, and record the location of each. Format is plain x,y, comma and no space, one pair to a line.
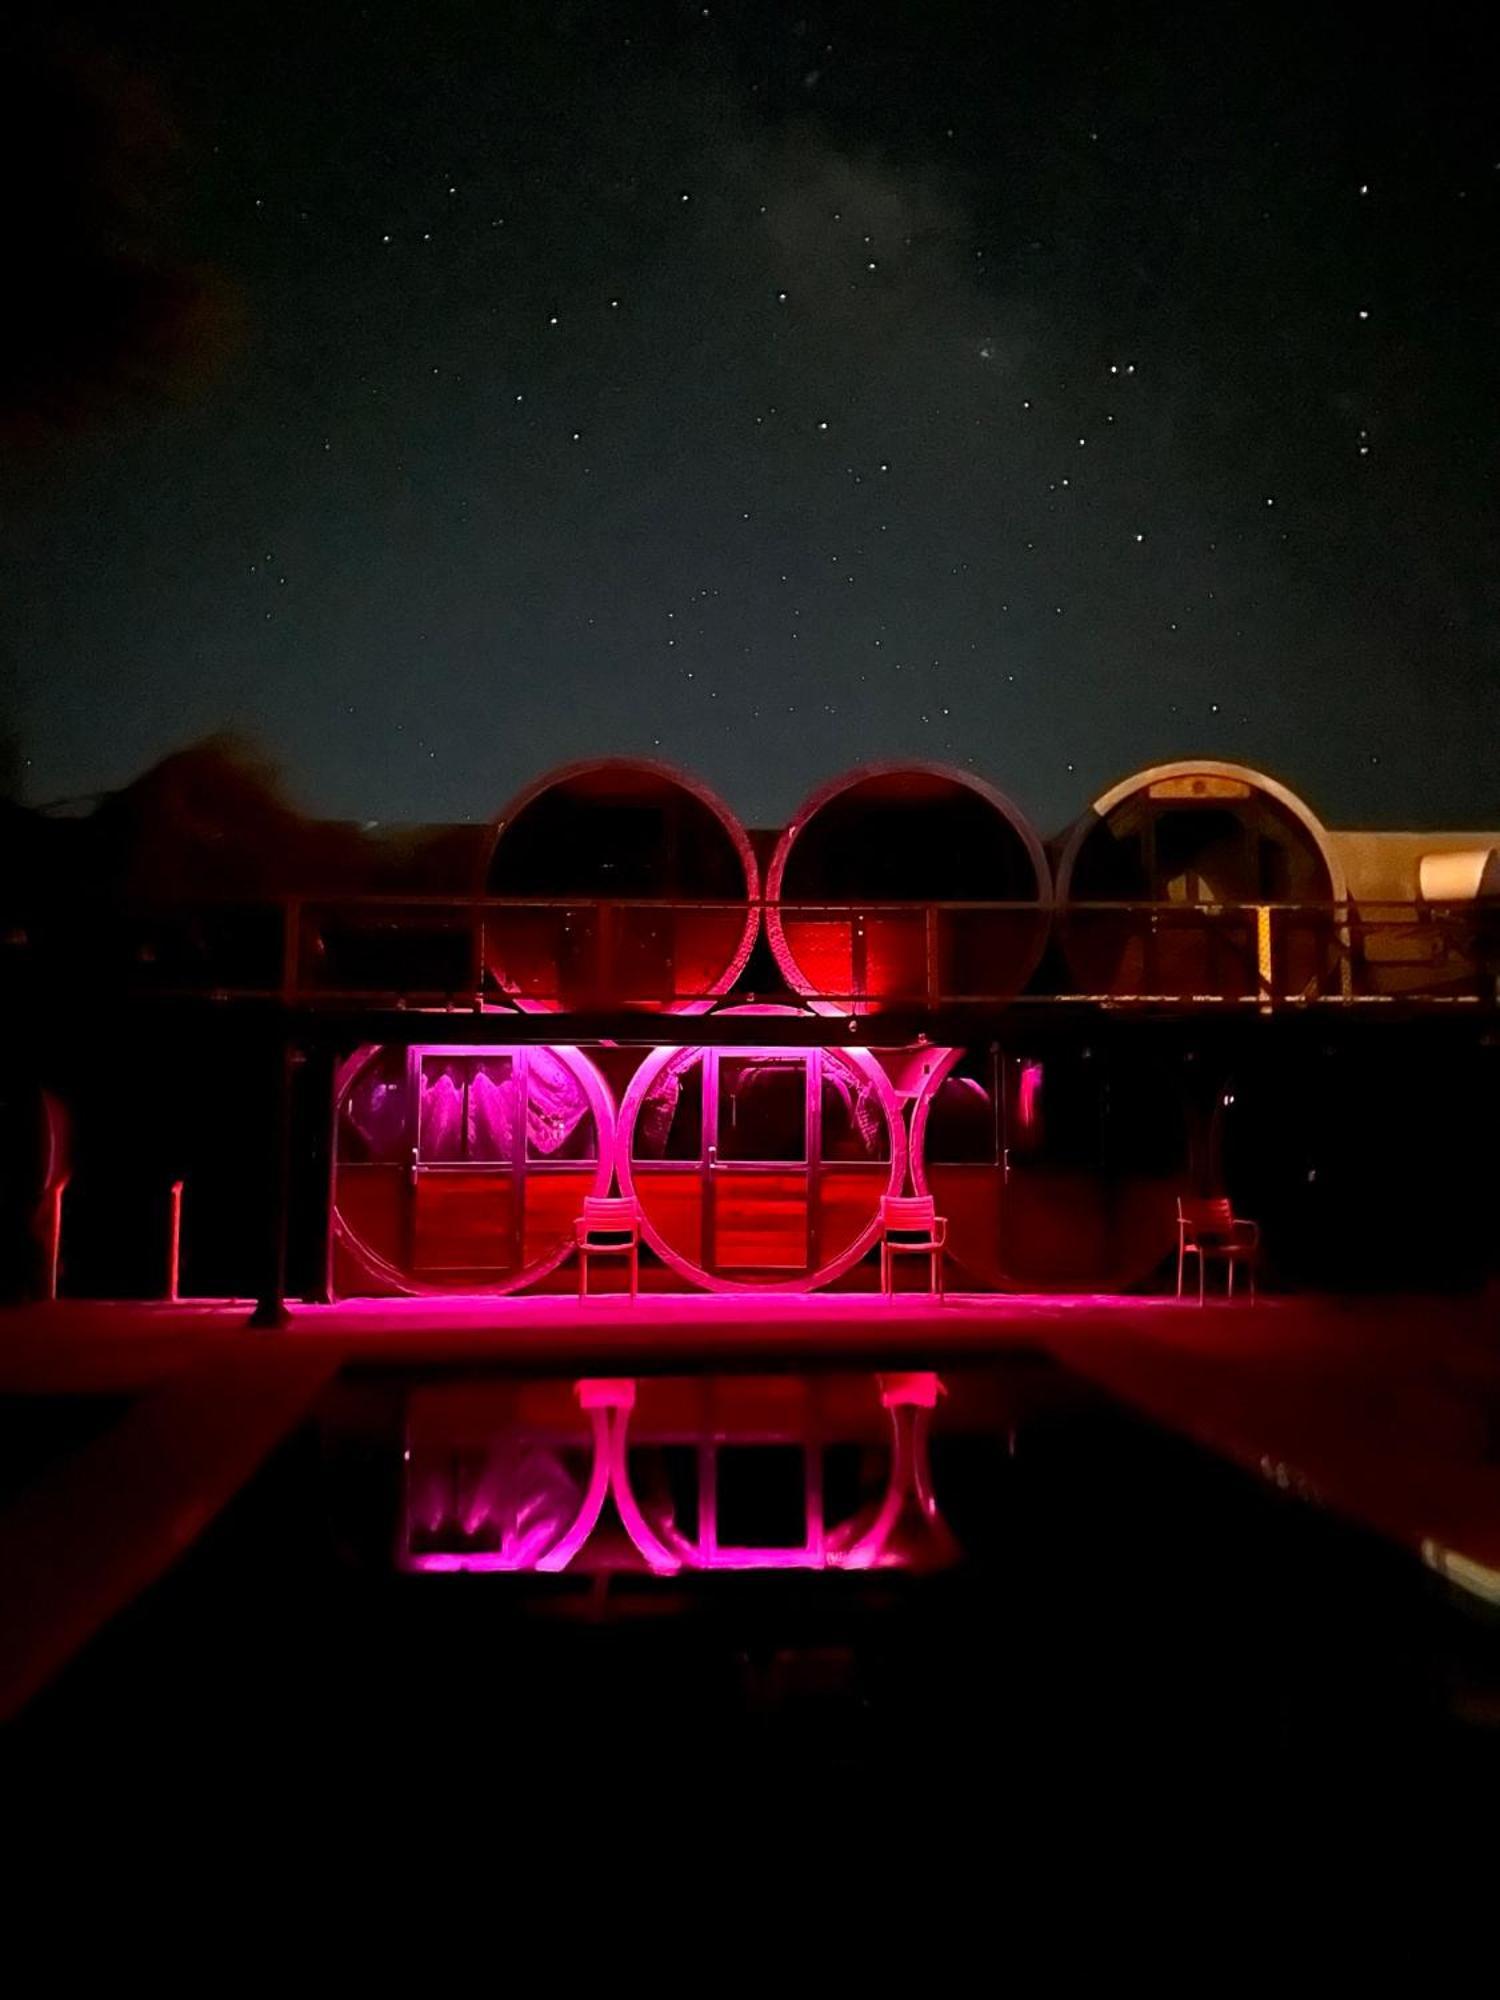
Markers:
1136,1635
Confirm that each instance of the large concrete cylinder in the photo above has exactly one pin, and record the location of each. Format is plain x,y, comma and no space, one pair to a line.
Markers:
463,1169
916,834
758,1167
640,891
1200,880
1057,1167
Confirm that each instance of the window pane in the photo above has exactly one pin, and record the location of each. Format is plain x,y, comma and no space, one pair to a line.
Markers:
670,1124
961,1126
492,1109
763,1108
467,1110
559,1121
373,1120
853,1128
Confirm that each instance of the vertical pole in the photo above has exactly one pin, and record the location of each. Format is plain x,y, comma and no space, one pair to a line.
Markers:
859,962
605,993
328,1075
310,1253
270,1312
1265,964
291,949
54,1236
174,1241
477,954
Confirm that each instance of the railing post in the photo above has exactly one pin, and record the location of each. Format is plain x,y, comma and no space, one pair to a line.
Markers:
174,1241
54,1235
859,960
604,993
1265,964
477,953
291,948
270,1311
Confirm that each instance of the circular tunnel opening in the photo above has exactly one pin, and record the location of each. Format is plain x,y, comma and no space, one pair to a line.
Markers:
1057,1165
1229,885
920,835
461,1168
634,886
760,1167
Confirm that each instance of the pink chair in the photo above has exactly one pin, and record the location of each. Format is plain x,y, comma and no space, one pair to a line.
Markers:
910,1227
1207,1226
610,1226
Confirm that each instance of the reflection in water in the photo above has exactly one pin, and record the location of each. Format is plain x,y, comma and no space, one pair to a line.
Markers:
687,1474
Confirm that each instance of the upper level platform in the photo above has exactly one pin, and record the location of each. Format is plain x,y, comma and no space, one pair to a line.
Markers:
904,893
544,965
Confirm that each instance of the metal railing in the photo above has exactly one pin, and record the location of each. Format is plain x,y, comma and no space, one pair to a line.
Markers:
582,954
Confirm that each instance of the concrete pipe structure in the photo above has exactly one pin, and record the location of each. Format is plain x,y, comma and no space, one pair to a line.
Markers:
1233,889
925,836
463,1169
756,1167
1058,1167
642,889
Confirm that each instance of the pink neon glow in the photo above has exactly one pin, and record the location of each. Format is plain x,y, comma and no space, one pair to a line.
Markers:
1029,1096
776,929
547,1545
389,1277
864,1066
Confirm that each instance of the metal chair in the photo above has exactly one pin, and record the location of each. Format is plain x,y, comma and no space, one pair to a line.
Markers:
910,1226
610,1226
1207,1226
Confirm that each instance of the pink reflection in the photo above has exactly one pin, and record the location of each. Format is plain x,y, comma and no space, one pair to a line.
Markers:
514,1505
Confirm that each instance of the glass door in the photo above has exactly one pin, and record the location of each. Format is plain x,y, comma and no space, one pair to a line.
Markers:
760,1134
467,1161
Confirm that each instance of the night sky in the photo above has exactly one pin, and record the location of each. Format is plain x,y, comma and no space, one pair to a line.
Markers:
438,392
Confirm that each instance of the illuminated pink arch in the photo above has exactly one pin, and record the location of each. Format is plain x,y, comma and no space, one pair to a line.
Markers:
548,1538
662,1059
364,1254
1025,860
720,870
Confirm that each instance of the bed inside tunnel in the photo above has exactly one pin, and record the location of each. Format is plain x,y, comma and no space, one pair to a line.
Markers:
1232,884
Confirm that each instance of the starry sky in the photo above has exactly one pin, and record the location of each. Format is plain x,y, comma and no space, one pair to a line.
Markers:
436,393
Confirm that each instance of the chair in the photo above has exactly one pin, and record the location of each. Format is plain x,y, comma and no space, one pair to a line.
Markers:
1207,1226
909,1227
610,1226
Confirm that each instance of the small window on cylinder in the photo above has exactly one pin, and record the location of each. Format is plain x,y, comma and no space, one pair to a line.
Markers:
670,1123
374,1126
467,1110
852,1128
763,1108
559,1122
